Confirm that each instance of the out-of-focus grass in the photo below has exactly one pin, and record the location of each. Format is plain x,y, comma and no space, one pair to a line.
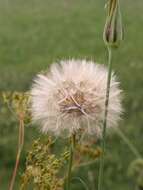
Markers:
35,33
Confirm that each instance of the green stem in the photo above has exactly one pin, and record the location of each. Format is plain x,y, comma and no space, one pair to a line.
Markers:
128,142
70,162
20,146
101,169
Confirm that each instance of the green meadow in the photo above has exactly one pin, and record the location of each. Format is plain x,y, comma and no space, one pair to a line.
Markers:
36,33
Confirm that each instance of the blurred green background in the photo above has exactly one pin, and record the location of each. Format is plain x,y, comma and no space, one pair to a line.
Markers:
35,33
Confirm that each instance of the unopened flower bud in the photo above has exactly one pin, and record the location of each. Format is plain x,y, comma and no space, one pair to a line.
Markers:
113,31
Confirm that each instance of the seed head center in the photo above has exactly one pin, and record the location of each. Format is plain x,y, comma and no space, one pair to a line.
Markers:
73,103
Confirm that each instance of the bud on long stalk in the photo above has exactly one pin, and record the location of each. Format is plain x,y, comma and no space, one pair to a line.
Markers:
112,37
113,31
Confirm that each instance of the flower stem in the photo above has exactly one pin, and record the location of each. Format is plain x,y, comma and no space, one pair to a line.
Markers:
101,169
70,161
20,146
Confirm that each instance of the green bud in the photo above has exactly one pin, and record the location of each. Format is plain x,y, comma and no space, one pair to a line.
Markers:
113,31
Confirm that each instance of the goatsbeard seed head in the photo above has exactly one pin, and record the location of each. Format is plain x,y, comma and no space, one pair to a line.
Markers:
70,97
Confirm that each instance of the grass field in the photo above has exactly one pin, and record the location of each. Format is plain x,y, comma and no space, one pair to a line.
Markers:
35,33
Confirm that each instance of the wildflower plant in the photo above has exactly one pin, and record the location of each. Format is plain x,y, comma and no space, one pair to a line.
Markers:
112,36
77,95
46,169
43,167
70,99
18,104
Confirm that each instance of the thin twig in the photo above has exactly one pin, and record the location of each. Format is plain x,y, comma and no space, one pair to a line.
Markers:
20,146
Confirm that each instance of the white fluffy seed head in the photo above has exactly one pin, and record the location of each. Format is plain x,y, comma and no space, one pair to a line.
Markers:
70,97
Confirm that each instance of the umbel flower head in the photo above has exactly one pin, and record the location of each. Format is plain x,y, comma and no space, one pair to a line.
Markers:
70,97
